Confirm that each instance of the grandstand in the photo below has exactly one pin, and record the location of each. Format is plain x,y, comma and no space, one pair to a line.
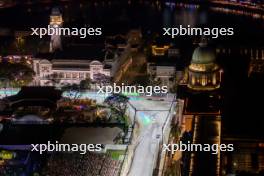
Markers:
74,164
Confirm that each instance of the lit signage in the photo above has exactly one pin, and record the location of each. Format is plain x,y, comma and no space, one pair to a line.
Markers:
6,155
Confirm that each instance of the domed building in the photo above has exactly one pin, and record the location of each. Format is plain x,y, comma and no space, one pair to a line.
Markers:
203,72
201,103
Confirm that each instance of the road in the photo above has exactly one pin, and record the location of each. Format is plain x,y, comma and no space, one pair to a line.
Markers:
148,141
151,117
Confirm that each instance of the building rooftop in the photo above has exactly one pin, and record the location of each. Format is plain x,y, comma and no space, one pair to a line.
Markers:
203,55
29,94
76,52
166,61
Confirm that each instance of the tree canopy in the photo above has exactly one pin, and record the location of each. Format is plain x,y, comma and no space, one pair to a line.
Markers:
85,84
15,74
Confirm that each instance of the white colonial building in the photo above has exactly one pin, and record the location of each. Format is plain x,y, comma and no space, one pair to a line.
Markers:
63,72
162,65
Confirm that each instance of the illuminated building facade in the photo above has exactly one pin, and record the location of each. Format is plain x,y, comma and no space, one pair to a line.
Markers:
67,71
162,65
256,62
159,50
201,111
255,54
203,72
202,121
56,21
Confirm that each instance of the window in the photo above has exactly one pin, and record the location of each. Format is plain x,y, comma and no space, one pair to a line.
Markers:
81,75
214,79
37,65
204,80
44,69
68,75
193,80
87,75
61,75
74,75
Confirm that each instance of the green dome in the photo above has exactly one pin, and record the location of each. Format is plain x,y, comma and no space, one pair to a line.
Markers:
203,55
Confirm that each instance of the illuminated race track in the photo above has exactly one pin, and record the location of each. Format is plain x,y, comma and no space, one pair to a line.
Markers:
151,117
147,143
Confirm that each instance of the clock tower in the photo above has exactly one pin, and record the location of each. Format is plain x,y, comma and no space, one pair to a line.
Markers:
56,22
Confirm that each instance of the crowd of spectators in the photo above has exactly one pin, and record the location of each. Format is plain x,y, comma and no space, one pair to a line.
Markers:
74,164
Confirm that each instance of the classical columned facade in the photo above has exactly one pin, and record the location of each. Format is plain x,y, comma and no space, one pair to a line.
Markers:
63,72
203,72
202,112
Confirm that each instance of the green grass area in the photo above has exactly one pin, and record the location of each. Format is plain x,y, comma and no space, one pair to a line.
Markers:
115,154
127,120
